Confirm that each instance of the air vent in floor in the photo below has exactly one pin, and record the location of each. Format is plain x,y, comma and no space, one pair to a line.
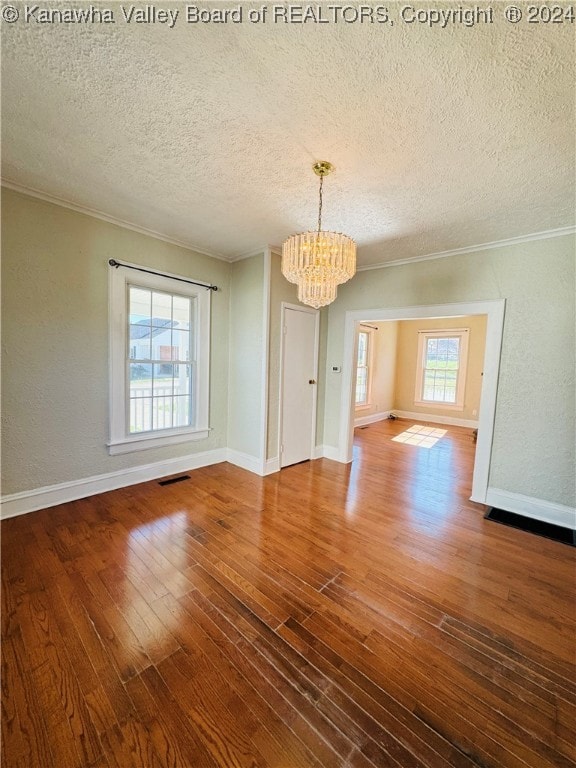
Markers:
174,480
547,530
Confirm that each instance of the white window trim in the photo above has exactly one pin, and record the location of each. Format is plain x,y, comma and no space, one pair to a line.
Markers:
369,366
423,336
120,440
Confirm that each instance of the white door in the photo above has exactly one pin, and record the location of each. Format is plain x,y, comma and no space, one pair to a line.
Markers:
298,382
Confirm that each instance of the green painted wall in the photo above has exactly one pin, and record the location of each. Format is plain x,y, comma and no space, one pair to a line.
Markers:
55,347
246,353
55,341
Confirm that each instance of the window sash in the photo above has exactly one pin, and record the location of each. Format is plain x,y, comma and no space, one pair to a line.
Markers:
159,407
441,372
177,419
363,369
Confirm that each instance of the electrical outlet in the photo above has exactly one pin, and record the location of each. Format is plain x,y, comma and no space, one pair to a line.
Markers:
474,412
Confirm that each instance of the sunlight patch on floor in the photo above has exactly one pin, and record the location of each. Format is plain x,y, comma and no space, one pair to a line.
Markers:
424,437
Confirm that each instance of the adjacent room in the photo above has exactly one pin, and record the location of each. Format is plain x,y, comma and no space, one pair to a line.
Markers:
427,367
288,385
427,376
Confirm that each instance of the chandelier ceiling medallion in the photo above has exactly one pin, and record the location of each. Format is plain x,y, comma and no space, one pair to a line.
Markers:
318,262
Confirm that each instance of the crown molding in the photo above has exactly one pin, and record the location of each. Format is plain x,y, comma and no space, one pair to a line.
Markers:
276,249
249,254
546,235
95,214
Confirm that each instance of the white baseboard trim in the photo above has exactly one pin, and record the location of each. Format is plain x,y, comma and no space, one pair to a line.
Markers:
452,421
245,461
547,511
253,463
360,421
50,495
318,452
271,466
329,452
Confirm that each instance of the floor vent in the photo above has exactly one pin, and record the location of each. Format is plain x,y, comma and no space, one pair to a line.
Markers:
547,530
174,480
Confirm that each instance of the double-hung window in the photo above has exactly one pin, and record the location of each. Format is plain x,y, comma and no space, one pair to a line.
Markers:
441,368
363,368
159,345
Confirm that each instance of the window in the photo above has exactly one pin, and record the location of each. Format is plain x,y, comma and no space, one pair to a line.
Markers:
441,368
159,341
363,368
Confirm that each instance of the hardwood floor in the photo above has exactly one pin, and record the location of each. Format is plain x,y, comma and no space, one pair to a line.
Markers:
327,615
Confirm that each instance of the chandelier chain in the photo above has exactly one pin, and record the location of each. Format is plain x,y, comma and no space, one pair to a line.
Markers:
320,204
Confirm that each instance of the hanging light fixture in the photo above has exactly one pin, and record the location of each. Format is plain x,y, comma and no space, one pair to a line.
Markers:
318,262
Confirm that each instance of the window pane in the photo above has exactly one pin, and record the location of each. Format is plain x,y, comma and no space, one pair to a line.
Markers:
181,309
182,379
362,348
162,384
442,348
139,342
180,345
140,375
431,352
140,305
361,386
440,386
161,343
162,412
181,411
161,310
141,414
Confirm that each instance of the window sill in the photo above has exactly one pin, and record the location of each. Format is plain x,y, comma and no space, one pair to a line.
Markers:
145,442
363,407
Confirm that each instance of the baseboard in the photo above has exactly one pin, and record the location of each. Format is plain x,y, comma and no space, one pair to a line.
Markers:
245,461
329,452
51,495
253,463
547,511
452,421
360,421
271,466
319,452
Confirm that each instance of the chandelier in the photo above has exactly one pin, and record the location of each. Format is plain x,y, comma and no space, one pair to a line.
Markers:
318,262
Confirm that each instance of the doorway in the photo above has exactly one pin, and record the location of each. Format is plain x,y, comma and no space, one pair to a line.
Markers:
298,387
494,311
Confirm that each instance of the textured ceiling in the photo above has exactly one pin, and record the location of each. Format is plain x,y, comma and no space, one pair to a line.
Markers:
442,138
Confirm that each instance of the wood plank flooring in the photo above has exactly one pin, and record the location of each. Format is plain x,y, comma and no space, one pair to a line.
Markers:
325,616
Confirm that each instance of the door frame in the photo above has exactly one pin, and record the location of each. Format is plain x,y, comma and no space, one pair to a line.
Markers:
299,308
494,310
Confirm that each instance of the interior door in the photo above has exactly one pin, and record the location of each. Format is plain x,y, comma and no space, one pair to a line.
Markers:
298,381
